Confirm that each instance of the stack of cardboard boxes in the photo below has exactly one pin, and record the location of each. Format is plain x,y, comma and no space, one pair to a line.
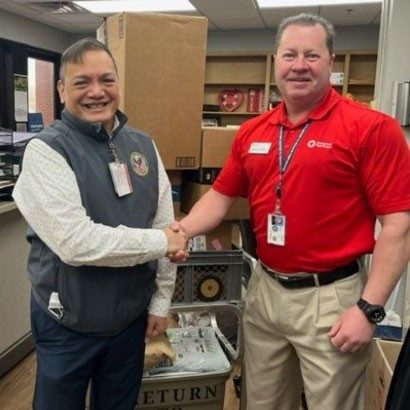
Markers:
161,65
379,373
216,143
215,146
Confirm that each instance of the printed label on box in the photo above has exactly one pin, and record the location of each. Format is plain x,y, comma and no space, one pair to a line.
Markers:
336,78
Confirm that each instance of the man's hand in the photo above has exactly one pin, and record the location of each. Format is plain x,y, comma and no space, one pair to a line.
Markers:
177,240
156,325
352,331
182,254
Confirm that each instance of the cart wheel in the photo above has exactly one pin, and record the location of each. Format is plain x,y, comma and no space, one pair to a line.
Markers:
210,288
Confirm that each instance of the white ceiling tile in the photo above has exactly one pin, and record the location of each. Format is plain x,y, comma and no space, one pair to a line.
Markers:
351,15
273,17
229,14
79,19
222,14
239,23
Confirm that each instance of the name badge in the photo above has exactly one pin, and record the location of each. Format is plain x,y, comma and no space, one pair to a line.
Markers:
120,178
259,147
276,229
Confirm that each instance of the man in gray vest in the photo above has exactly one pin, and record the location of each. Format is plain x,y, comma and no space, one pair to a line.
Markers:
97,198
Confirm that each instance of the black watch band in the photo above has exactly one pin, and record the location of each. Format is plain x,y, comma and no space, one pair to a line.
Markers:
374,313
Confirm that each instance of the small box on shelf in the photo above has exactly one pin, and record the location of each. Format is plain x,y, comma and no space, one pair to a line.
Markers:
204,175
255,100
337,78
175,178
215,145
192,192
218,239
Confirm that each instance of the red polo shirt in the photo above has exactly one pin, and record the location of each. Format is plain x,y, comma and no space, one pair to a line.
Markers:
352,163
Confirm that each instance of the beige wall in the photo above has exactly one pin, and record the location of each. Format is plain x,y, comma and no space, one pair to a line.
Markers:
14,285
394,65
26,31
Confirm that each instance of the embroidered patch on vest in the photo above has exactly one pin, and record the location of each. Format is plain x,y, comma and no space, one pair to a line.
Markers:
139,164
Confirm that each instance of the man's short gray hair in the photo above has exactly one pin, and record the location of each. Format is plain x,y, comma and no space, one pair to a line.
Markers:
306,19
75,53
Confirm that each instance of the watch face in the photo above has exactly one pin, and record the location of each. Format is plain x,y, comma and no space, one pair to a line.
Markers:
374,313
377,314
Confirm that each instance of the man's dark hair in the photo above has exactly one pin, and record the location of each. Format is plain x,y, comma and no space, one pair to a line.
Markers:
306,19
75,53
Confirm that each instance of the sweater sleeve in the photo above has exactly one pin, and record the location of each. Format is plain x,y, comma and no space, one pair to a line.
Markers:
48,196
166,272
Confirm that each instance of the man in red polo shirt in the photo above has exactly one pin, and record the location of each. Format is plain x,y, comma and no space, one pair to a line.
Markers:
317,170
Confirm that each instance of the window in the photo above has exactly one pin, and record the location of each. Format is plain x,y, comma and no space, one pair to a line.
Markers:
41,88
14,60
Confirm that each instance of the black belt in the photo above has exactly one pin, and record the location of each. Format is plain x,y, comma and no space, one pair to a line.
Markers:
314,279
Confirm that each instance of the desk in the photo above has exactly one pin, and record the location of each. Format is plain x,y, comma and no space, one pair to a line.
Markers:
15,335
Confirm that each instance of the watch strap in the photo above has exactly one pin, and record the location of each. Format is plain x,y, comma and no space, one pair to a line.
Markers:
374,313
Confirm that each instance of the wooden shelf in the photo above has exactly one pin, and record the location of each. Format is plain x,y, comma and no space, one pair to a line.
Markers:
244,70
234,83
231,113
361,82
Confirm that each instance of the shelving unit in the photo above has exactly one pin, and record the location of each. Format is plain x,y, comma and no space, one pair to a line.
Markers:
241,71
247,70
361,75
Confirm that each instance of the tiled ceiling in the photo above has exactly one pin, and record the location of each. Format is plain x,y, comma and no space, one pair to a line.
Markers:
222,14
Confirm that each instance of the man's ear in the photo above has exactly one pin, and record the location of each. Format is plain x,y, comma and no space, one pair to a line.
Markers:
332,59
61,91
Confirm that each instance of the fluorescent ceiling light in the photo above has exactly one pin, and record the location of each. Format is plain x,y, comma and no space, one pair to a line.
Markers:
104,7
273,4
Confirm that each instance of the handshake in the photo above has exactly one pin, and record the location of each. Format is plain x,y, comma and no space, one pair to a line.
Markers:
177,243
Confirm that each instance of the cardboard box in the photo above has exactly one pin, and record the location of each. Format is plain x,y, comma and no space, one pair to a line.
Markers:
204,175
175,178
336,78
161,65
216,144
192,191
217,240
379,373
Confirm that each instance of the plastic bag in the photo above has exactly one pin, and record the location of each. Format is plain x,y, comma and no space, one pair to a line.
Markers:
197,350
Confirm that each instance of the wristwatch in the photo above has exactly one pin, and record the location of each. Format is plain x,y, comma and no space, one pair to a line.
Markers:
374,313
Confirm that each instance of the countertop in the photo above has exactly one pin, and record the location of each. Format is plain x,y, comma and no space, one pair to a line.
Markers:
7,206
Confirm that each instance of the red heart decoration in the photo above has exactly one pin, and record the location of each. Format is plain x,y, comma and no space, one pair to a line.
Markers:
230,100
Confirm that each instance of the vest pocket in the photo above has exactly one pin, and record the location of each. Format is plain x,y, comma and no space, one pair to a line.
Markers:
43,271
102,300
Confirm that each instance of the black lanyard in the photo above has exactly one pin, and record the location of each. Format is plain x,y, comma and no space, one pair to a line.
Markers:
112,149
284,162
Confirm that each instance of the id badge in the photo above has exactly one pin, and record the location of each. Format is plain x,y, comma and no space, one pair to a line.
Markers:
276,229
120,178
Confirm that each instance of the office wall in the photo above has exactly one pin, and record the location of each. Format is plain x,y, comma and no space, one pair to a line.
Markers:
352,38
348,38
394,56
394,65
26,31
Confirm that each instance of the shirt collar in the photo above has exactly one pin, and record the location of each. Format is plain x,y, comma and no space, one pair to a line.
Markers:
319,112
116,123
96,129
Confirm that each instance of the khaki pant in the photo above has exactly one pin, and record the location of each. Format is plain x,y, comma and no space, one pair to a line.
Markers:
286,345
